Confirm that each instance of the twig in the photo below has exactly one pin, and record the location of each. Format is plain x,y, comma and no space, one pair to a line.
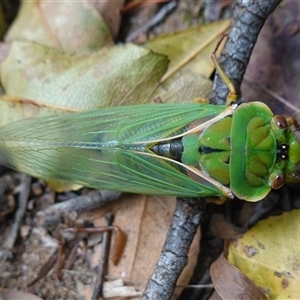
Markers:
137,4
174,258
12,236
162,13
94,199
103,262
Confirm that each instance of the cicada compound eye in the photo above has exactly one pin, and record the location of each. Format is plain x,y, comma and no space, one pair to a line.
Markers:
277,181
280,121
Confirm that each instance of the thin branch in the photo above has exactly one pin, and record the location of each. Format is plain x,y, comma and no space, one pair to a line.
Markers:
174,257
95,198
22,203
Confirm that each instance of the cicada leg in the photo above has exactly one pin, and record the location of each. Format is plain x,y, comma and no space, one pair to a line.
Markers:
232,95
200,100
292,121
217,200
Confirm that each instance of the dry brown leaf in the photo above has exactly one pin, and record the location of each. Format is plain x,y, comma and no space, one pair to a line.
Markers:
11,294
110,11
124,74
223,229
71,27
231,283
215,296
145,220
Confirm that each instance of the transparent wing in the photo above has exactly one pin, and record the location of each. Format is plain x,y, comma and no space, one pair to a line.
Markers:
106,148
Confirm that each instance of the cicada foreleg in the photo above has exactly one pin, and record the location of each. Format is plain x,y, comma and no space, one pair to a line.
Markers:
293,122
232,95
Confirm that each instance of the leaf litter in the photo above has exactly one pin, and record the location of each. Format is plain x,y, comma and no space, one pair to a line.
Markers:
31,106
37,58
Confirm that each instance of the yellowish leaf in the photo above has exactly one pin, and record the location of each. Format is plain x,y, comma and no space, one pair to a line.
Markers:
191,48
119,75
269,255
71,27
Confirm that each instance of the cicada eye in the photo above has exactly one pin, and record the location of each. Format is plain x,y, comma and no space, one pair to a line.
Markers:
278,181
280,121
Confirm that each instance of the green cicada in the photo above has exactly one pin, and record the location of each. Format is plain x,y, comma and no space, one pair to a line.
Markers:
191,150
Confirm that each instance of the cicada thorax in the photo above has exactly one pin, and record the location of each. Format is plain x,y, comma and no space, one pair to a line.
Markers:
210,150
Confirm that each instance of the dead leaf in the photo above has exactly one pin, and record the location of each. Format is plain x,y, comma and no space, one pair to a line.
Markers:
11,294
231,284
190,49
215,296
269,255
190,65
111,77
71,27
183,87
222,228
111,13
145,220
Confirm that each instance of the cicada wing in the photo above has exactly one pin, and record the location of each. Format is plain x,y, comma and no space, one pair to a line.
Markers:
156,176
124,124
112,169
158,121
100,148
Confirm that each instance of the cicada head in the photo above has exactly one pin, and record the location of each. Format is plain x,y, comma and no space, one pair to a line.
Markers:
265,151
